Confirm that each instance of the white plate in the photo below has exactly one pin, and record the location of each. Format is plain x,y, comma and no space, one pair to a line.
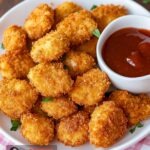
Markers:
17,15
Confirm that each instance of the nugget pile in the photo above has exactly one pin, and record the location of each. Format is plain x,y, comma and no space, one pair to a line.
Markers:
53,86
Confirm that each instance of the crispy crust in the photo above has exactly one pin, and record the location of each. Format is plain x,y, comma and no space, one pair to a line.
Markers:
51,47
78,27
50,79
107,125
15,64
89,89
14,38
78,62
39,22
59,107
16,97
136,107
73,130
38,130
104,14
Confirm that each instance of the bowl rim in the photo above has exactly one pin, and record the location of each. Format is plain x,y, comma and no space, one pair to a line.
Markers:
99,50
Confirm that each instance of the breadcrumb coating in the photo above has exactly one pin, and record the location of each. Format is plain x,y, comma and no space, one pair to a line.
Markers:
14,38
15,64
136,107
16,97
104,14
65,9
59,107
107,125
51,47
38,130
78,62
39,22
89,89
50,79
78,27
73,130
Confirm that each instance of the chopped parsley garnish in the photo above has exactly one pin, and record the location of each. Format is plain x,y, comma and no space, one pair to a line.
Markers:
15,125
96,33
139,125
47,99
93,7
2,46
146,1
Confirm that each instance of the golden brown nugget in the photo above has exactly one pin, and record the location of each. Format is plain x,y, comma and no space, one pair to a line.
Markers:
50,79
65,9
89,89
39,22
59,107
38,130
15,64
78,27
14,38
89,47
136,107
51,47
78,62
107,125
16,97
104,14
73,130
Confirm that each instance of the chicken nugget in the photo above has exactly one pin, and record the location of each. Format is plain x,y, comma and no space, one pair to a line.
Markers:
89,47
39,22
73,130
38,130
14,38
50,79
107,125
78,27
51,47
104,14
65,9
136,107
90,88
59,107
16,97
15,64
78,62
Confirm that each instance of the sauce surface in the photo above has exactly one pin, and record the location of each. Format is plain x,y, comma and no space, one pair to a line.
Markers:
127,52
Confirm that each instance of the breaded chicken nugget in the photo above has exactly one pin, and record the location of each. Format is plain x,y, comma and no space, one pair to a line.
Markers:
78,27
65,9
14,38
90,88
89,47
136,107
39,21
15,64
38,130
78,62
16,97
73,130
59,107
104,14
107,125
51,47
50,79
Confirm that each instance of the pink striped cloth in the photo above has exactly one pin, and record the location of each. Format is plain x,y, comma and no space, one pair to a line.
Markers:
142,145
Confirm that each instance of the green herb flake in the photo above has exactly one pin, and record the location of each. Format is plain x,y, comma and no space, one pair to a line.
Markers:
132,130
2,46
96,33
47,99
138,125
146,1
15,125
93,7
